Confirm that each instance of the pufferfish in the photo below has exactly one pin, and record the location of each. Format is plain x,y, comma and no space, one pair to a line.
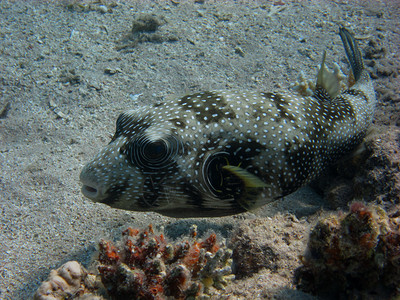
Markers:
219,153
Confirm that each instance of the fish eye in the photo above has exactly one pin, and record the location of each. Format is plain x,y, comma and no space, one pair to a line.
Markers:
155,150
153,156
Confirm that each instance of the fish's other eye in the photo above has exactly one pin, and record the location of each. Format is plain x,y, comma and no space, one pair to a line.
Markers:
153,156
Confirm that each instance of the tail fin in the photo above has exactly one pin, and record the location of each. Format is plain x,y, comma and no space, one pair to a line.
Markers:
353,52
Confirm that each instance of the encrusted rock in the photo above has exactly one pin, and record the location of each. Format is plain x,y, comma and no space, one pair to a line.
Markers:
261,244
353,254
70,281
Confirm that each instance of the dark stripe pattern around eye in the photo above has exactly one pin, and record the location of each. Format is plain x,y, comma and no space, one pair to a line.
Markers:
153,156
220,182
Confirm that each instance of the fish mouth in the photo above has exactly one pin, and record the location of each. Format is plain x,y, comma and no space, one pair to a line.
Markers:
90,192
91,188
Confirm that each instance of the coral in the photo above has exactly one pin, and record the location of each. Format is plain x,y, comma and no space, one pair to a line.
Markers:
145,266
70,281
353,253
306,87
303,86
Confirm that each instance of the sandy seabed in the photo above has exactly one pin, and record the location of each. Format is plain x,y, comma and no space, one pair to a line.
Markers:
66,73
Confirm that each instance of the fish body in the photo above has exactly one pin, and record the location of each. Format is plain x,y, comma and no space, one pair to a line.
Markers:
219,153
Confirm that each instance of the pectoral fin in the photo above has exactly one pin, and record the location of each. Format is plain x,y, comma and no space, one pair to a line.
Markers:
253,186
249,180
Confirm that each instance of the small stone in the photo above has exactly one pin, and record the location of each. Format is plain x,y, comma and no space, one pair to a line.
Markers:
112,71
102,8
239,50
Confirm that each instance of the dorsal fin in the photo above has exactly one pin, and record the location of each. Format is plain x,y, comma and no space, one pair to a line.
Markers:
328,85
353,52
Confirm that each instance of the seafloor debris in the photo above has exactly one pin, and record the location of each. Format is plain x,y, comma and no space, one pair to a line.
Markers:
70,77
4,111
146,28
102,6
354,254
144,265
147,23
70,281
54,107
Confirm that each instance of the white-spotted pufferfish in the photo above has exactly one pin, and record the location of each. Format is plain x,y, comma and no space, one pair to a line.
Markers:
225,152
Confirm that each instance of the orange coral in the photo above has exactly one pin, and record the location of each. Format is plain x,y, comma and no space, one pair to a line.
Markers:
145,266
